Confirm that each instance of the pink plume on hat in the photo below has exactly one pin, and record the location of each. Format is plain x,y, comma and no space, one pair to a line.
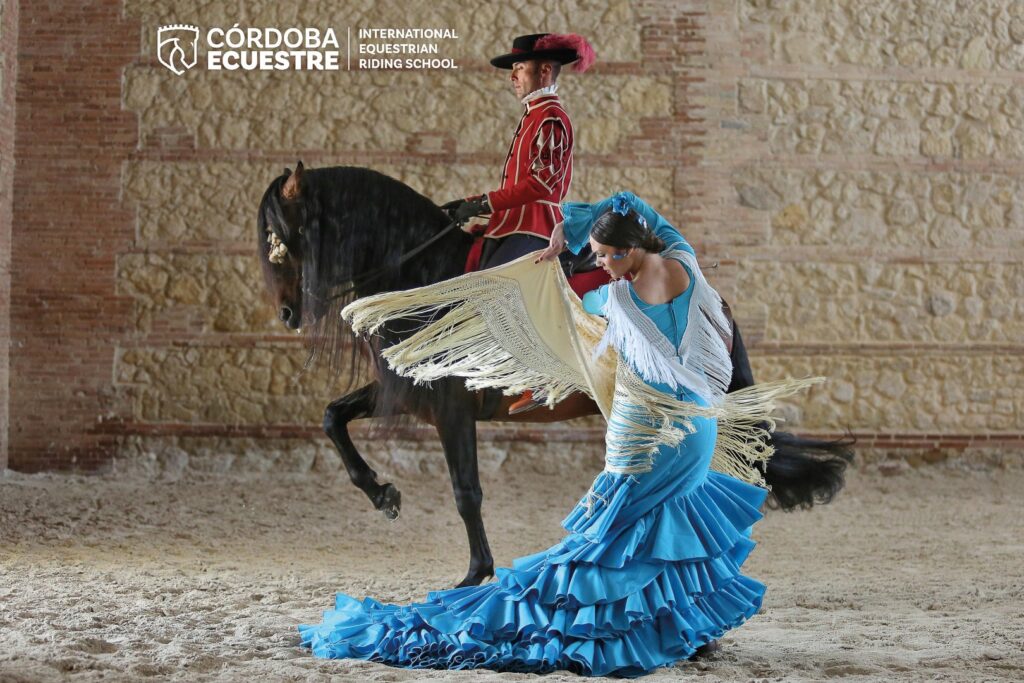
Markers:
573,41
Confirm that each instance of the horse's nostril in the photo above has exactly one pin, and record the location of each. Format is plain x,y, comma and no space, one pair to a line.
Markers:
286,314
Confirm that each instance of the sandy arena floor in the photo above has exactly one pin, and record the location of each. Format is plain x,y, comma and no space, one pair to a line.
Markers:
917,576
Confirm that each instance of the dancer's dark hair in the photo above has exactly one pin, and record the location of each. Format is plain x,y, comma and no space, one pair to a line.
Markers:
625,232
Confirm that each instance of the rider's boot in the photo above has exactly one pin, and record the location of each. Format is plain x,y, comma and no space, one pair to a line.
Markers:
524,404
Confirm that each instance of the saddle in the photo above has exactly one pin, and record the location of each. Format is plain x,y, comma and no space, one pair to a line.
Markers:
582,272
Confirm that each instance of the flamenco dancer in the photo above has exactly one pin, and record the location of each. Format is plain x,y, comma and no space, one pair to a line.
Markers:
649,571
538,168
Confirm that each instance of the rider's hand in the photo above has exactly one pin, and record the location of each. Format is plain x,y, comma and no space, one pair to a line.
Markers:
449,207
462,210
556,245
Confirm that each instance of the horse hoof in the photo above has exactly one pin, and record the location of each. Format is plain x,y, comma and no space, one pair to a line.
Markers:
475,578
391,502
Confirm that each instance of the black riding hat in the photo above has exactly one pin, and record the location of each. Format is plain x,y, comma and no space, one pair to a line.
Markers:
523,49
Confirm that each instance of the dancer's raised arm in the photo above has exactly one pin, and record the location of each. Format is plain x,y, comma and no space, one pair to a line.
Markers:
580,218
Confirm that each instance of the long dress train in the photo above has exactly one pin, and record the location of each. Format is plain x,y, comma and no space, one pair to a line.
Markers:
649,572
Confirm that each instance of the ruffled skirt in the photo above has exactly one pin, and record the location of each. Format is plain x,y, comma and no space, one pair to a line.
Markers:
649,572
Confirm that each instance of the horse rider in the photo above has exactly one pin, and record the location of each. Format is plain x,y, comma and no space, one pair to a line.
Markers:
538,167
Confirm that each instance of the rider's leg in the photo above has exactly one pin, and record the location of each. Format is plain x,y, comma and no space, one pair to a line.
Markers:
505,250
509,249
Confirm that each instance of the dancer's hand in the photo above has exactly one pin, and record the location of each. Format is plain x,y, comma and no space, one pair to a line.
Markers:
556,245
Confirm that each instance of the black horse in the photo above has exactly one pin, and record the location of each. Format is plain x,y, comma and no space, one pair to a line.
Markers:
329,235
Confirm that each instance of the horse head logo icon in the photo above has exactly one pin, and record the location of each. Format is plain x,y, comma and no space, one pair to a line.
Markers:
176,47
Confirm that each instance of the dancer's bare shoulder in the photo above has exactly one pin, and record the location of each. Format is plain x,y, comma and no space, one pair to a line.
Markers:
666,280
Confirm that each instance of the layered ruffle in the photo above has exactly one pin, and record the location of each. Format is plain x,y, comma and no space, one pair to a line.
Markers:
701,524
614,597
623,640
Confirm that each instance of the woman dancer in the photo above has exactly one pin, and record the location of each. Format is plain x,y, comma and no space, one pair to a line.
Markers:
649,572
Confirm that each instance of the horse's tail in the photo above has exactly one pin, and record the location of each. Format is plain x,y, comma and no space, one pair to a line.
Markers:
802,471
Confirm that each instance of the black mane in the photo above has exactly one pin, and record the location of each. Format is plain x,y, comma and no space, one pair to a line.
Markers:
355,221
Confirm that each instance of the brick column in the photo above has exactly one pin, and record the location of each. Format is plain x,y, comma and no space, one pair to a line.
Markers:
8,74
72,137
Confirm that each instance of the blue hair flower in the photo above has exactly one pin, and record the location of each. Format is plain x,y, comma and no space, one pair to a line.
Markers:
621,204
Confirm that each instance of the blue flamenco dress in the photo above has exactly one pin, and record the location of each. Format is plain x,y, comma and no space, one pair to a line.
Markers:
648,572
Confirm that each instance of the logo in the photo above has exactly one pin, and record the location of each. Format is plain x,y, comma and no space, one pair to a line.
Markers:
176,47
249,48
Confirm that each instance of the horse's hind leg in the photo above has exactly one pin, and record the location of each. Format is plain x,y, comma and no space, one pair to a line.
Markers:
360,403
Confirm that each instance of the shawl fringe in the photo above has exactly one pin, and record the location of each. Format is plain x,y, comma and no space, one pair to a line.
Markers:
519,327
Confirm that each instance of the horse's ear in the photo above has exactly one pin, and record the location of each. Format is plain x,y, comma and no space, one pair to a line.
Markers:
293,186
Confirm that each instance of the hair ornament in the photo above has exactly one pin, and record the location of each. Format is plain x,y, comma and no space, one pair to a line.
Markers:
623,206
620,204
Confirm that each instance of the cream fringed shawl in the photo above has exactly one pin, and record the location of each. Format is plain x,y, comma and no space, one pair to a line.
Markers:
520,327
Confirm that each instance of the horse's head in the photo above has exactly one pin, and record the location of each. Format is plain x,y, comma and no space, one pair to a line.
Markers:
328,235
281,228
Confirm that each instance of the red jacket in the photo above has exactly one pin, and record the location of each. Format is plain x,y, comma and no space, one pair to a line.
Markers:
538,170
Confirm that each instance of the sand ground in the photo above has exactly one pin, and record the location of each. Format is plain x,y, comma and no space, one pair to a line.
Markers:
912,576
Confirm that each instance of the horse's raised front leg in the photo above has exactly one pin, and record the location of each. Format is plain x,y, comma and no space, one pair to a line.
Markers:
455,421
360,403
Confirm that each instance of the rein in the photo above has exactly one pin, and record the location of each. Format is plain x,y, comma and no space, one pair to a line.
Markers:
372,275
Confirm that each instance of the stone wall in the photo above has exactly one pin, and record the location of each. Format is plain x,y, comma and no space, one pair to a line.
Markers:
853,168
879,186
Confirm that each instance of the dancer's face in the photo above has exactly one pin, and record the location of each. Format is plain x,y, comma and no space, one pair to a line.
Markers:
616,262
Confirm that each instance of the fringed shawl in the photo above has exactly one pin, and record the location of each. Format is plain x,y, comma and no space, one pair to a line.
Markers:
520,326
